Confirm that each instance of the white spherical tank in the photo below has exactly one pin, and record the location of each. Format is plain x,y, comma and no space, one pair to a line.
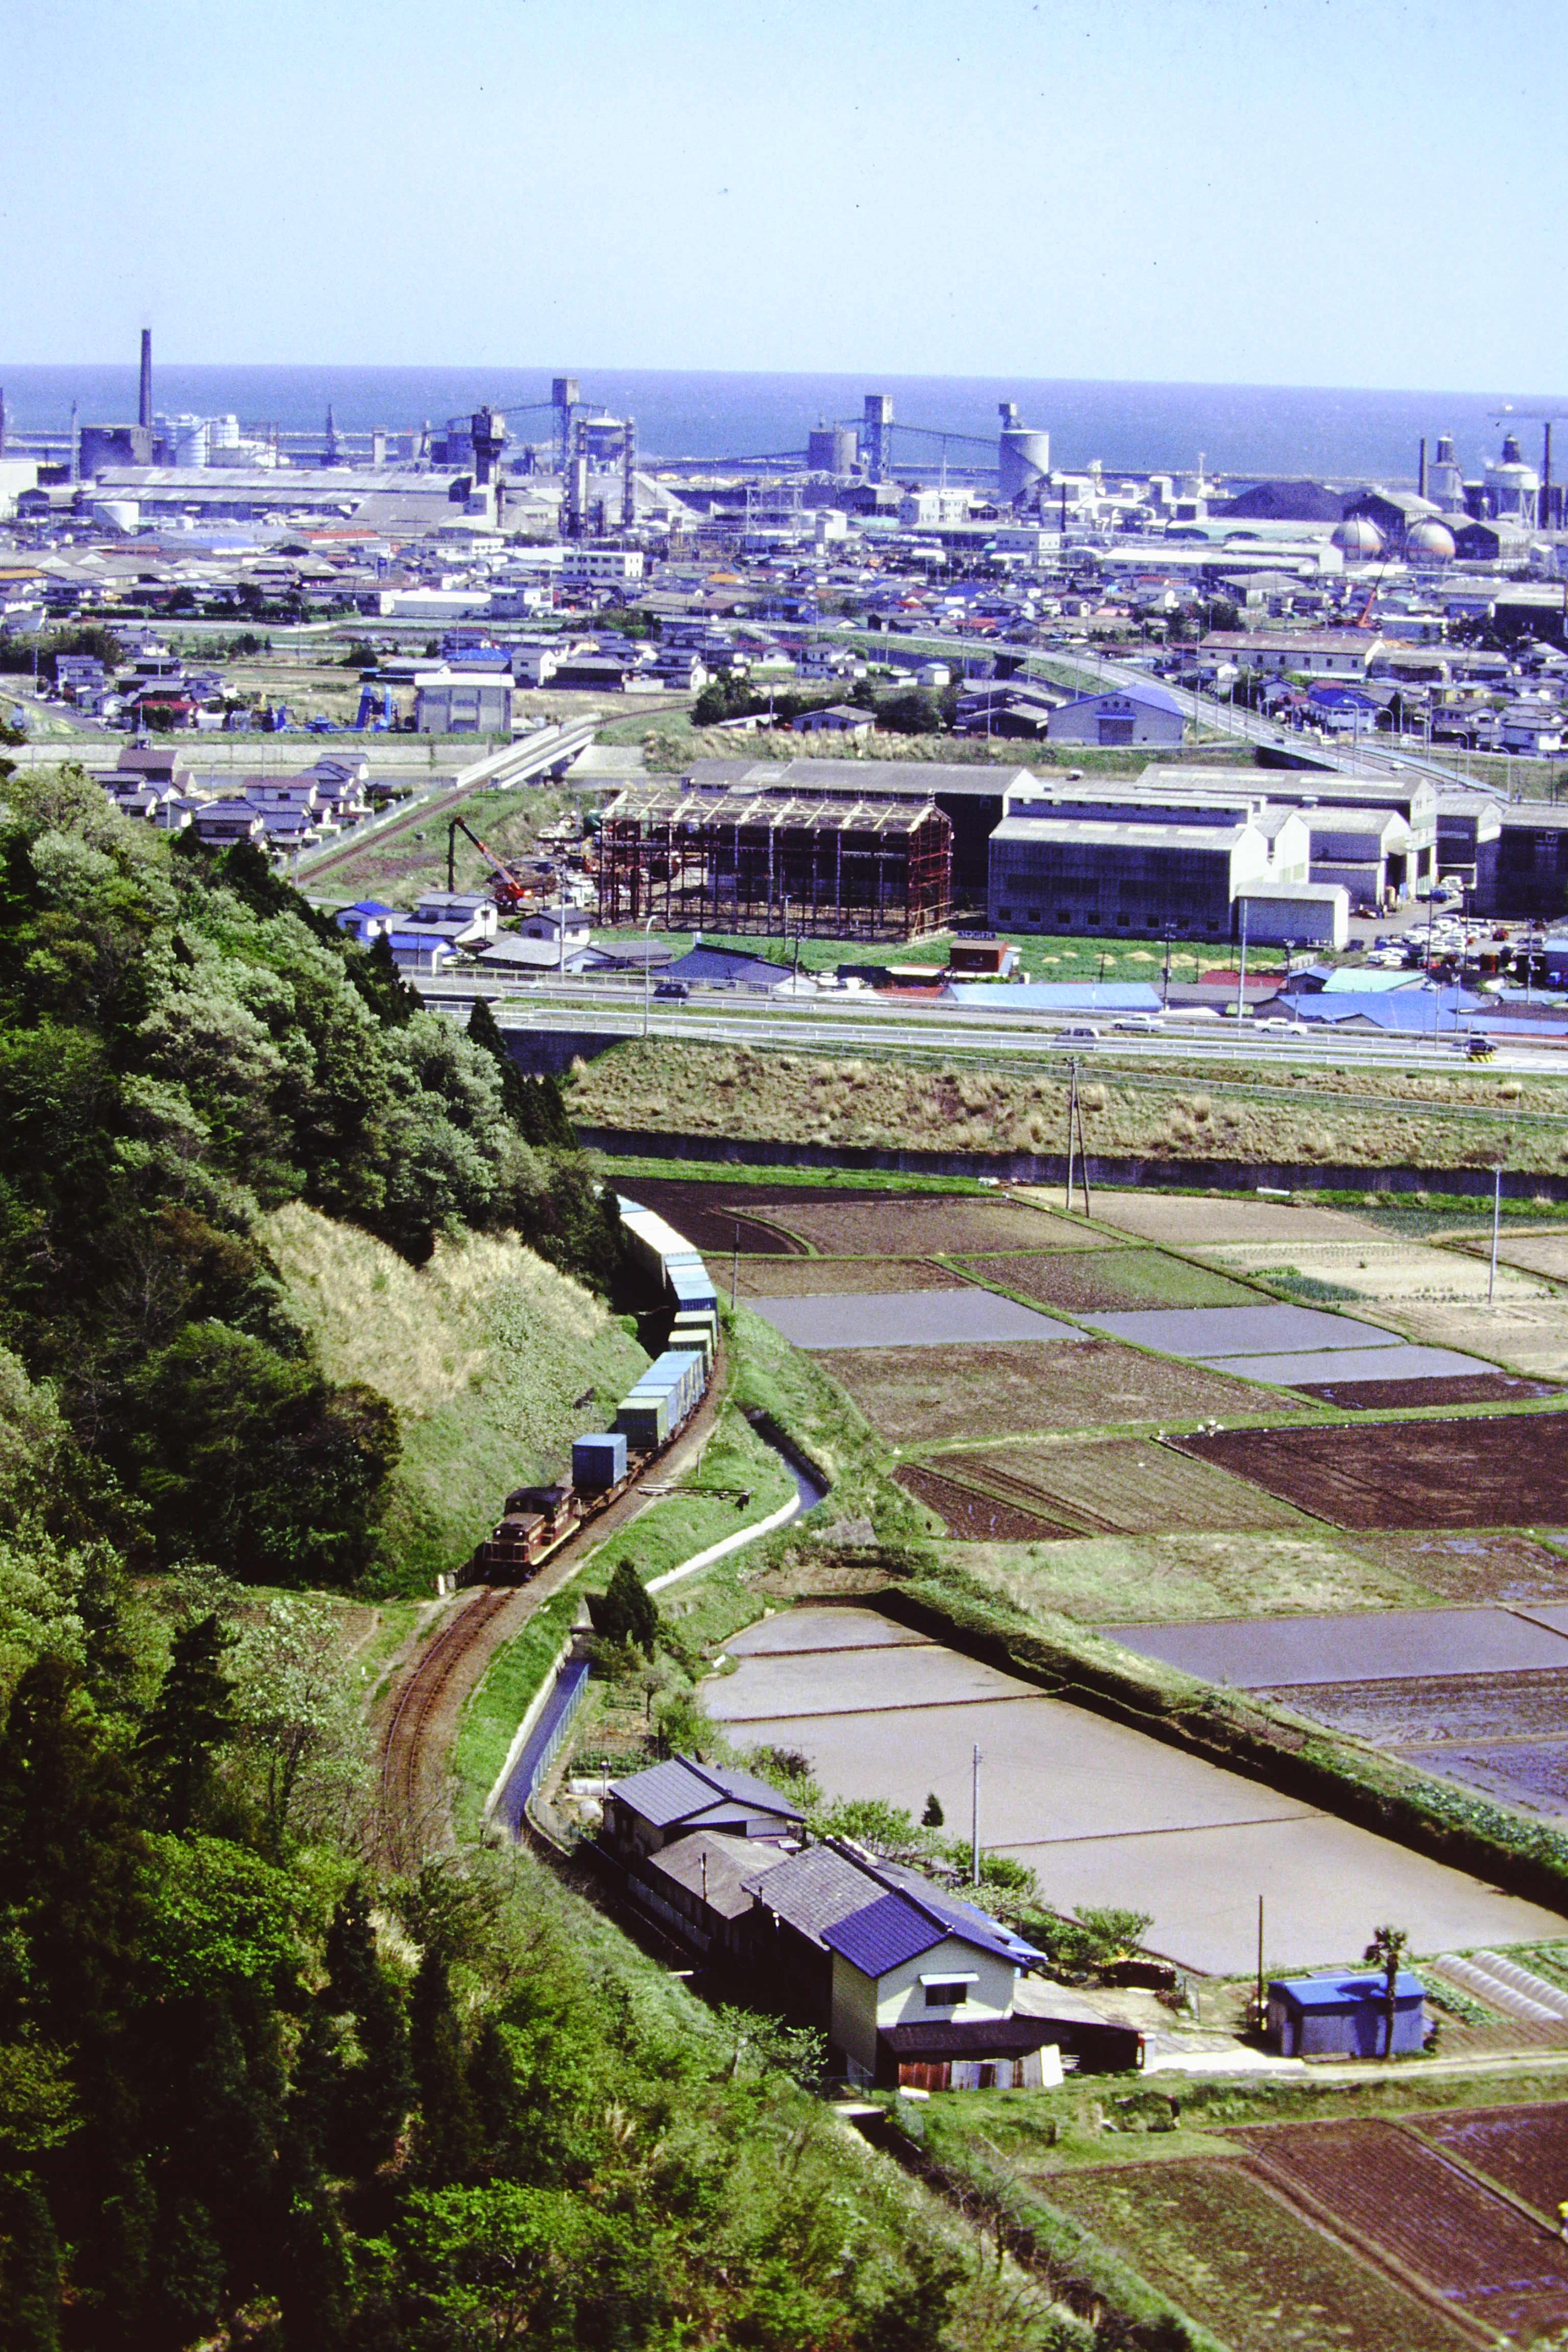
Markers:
1022,460
1430,541
1358,538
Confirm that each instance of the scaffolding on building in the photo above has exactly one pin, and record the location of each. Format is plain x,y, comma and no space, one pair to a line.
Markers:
775,865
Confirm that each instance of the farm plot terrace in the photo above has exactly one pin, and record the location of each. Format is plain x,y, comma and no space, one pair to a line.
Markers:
1492,1470
1101,1813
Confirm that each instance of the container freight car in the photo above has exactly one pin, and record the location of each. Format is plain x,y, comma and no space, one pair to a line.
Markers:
537,1519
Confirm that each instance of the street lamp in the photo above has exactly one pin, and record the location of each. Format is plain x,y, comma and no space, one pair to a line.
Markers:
647,969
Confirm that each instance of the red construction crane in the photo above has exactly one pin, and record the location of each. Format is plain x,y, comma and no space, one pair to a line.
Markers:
507,888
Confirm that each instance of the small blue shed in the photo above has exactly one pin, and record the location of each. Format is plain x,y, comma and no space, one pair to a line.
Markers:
1346,2016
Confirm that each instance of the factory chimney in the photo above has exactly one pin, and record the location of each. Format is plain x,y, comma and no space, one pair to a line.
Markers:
2,420
1421,470
629,475
145,405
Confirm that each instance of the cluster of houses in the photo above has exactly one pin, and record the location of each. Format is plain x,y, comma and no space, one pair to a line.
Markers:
912,1988
157,782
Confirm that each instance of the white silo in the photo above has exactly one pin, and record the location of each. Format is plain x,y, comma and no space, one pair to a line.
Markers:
1023,456
223,433
190,437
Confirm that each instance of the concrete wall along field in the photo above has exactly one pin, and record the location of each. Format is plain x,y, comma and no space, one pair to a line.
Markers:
483,1351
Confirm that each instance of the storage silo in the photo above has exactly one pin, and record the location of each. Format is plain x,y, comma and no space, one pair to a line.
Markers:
1023,456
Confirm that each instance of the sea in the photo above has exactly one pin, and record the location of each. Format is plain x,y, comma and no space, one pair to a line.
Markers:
1244,430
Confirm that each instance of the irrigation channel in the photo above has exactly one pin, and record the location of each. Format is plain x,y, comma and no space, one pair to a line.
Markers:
539,1742
419,1726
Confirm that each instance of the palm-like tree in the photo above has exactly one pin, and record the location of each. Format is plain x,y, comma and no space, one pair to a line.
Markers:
1386,1951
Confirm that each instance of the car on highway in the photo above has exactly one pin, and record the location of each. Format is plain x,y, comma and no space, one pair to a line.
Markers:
1082,1033
676,989
1141,1022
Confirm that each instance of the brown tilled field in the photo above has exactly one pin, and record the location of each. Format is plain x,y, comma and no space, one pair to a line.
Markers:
1493,1471
1092,1281
708,1215
1239,2259
915,1395
919,1223
1129,1485
818,1278
1455,1388
1475,1568
1524,2149
1428,1711
975,1518
1391,2192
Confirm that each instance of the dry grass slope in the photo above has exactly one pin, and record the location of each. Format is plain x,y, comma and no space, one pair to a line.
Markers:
483,1351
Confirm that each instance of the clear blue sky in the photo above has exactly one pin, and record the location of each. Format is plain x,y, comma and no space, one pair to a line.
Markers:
1332,192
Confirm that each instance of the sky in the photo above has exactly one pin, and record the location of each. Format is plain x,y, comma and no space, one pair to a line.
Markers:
1315,192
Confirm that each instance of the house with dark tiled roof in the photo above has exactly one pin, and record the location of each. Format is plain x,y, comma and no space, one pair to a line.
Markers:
652,1810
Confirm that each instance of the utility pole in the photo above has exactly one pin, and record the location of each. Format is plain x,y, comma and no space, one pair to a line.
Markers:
1497,1219
1241,976
735,1269
974,1818
1260,1961
1072,1130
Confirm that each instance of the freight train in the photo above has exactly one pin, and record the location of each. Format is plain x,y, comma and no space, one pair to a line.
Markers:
538,1519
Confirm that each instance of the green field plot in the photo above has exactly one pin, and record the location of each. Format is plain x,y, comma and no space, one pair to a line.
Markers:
1101,1281
1114,1580
1122,1486
1239,2260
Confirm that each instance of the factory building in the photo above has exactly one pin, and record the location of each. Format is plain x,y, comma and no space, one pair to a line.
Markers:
1525,870
459,705
1141,714
1071,874
1365,851
776,861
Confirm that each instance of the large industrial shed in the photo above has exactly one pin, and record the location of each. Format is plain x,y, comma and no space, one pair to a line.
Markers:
1069,874
1142,714
773,863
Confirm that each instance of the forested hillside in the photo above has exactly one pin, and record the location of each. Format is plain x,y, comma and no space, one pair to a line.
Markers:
265,1228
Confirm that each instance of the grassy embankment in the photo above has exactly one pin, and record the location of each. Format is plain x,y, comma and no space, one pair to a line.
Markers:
1440,1120
415,860
482,1351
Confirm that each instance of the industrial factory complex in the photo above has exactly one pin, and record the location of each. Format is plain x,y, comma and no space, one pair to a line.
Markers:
1175,706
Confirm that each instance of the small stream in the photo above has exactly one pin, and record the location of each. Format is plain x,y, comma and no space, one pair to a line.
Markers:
809,1483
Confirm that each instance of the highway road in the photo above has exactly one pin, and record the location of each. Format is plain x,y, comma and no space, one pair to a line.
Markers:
862,1025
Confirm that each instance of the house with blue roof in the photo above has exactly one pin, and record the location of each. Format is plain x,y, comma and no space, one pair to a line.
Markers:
922,1981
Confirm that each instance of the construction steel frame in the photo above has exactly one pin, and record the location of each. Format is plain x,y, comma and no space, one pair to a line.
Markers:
773,867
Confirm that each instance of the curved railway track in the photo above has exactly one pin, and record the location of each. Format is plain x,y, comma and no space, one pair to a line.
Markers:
408,1811
412,1808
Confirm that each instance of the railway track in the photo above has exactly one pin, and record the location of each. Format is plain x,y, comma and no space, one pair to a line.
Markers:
407,1812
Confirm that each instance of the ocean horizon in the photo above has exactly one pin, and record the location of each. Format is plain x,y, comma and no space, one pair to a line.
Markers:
1239,429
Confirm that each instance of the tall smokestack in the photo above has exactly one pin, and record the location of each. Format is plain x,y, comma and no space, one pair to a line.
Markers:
2,420
144,408
1421,470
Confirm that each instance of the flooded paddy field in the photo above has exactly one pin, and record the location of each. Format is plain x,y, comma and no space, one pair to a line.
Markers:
1277,1653
919,1319
1493,1471
918,1396
1102,1813
1530,1774
1126,1486
1082,1282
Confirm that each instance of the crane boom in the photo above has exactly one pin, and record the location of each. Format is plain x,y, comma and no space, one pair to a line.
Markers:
507,890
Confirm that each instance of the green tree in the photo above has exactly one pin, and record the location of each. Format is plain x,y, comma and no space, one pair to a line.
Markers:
628,1612
933,1817
29,2269
1386,1951
298,1716
447,2140
368,2098
190,1721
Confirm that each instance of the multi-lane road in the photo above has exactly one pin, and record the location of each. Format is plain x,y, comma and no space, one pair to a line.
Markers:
856,1026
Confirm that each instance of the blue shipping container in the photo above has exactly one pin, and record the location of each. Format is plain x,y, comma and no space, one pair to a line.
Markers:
599,1462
